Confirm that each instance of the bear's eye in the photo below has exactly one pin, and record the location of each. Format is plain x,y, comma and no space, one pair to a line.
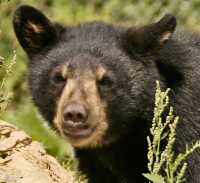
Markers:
57,78
105,81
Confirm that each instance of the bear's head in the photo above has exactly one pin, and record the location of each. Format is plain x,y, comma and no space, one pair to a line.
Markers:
91,81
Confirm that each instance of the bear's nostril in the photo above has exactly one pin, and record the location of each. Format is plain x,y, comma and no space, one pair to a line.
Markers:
80,116
68,116
75,113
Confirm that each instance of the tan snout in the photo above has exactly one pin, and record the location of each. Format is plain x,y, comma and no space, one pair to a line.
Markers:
81,115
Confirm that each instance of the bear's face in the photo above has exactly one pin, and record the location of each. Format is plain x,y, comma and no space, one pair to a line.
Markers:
83,94
89,80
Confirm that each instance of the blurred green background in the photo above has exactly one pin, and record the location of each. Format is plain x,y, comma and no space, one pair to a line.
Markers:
15,101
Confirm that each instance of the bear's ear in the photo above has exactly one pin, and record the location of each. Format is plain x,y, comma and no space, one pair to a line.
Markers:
33,30
151,37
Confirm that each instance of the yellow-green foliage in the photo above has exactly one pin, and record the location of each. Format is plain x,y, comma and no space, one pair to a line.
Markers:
163,158
6,67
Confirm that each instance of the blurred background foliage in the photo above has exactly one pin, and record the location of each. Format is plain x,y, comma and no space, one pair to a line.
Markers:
14,91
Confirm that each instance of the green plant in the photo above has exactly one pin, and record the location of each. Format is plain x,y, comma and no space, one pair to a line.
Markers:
164,158
6,71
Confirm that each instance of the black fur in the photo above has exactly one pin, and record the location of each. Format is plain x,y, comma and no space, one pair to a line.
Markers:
137,57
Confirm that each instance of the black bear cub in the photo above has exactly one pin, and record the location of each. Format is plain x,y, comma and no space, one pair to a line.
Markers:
95,84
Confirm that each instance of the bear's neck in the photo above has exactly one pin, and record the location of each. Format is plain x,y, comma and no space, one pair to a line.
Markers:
115,163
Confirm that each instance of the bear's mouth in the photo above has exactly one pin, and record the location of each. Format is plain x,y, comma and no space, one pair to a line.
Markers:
84,131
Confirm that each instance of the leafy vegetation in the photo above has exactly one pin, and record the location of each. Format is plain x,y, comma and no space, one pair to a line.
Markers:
163,158
6,71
